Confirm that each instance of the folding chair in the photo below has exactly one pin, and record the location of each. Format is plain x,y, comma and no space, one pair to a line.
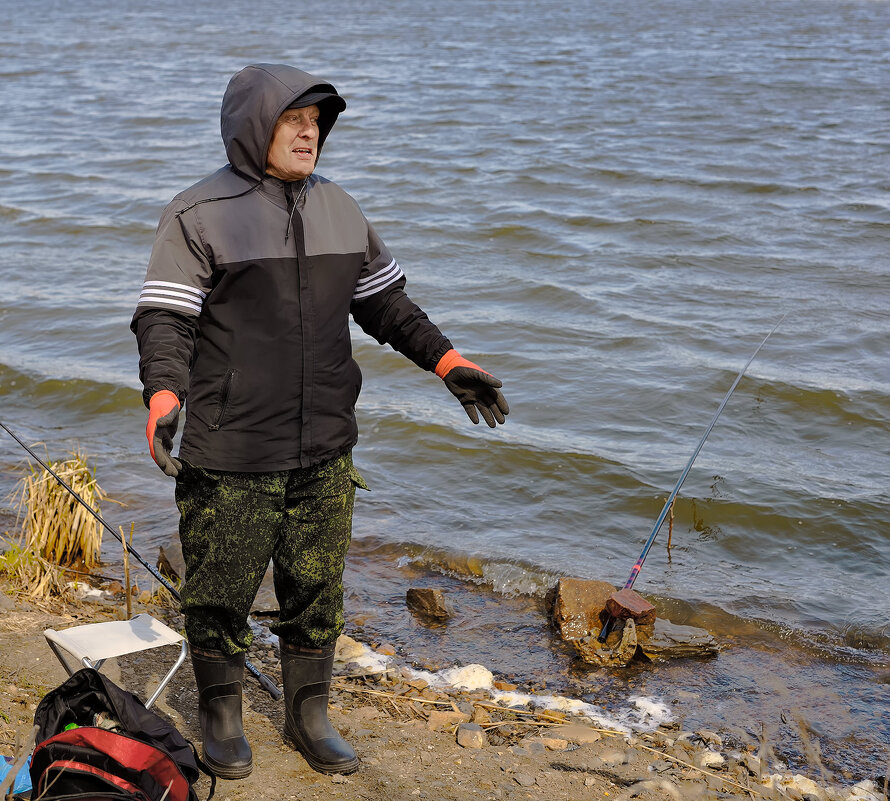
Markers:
93,643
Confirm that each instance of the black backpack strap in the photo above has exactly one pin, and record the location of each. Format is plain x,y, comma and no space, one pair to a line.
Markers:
204,768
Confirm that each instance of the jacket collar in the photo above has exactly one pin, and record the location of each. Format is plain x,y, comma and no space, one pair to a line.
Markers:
276,190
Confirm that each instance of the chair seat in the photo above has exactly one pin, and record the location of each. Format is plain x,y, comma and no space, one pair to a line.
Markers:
93,643
100,641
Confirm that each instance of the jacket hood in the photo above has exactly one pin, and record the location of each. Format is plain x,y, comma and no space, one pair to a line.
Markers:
254,100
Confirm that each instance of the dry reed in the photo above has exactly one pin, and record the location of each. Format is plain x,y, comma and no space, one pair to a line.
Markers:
57,532
55,526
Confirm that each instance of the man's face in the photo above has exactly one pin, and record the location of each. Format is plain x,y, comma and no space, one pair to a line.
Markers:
294,147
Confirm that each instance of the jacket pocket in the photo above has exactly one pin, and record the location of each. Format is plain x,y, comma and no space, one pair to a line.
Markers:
223,399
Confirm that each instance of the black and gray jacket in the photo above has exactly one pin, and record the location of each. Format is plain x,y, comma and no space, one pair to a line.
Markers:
244,313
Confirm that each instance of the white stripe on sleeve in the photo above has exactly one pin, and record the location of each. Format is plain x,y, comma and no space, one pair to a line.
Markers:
365,287
167,293
181,287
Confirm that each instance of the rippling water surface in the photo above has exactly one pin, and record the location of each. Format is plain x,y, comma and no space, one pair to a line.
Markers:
608,206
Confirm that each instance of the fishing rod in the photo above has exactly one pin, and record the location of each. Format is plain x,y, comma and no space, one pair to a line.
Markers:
265,682
610,618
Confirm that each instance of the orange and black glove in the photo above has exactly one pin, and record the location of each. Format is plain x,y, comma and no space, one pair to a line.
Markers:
474,388
163,420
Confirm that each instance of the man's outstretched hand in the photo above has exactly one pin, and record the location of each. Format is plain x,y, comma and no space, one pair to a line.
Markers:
478,391
163,420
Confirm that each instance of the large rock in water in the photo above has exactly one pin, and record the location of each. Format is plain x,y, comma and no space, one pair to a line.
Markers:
577,605
578,609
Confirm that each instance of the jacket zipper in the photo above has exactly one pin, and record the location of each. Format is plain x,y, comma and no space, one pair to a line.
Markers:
224,393
295,225
288,192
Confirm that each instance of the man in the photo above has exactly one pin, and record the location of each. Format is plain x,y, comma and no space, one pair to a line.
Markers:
244,313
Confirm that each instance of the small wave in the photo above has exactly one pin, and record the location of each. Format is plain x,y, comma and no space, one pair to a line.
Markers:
49,225
863,641
11,212
505,577
77,394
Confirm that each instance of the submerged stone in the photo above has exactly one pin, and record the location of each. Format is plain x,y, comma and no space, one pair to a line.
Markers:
672,641
428,602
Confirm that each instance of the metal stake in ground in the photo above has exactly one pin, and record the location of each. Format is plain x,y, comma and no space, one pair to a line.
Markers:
265,682
626,599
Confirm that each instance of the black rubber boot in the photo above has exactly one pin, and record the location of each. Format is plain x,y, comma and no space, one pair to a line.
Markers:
219,679
306,673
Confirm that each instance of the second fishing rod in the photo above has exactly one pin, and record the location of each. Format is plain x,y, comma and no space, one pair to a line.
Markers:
265,682
625,600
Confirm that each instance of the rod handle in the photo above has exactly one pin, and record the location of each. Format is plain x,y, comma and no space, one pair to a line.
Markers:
607,627
265,682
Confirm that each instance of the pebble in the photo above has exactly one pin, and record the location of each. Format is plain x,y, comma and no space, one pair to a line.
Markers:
524,780
365,713
466,707
440,719
550,743
471,735
554,743
614,758
576,733
711,759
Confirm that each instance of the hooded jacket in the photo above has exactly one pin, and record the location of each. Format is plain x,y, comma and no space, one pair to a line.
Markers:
244,312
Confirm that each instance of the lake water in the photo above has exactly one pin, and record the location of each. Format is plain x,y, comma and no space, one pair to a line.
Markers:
606,205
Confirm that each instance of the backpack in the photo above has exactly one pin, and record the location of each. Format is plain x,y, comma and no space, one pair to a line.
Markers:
98,742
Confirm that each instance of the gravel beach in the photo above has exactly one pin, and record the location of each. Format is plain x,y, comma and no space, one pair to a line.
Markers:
417,736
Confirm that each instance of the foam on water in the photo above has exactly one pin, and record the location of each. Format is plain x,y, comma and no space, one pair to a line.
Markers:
642,713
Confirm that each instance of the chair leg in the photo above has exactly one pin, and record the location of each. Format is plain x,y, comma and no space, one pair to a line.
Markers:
183,653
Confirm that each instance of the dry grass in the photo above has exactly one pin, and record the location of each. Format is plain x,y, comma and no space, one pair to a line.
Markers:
34,576
55,526
56,531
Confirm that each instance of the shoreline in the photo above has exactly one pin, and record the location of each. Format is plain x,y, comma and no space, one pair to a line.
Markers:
407,725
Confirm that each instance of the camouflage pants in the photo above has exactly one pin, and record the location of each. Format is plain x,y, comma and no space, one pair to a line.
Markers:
232,524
